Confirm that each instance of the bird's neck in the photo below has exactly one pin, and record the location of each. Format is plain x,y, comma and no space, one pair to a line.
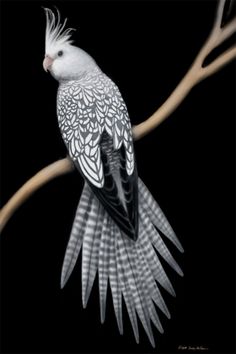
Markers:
80,76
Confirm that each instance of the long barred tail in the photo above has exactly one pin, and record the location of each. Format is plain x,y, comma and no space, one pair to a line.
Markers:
132,268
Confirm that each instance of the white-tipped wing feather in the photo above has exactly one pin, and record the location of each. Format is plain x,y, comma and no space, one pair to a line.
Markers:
86,108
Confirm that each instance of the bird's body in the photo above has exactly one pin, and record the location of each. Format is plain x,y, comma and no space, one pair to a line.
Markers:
95,126
117,218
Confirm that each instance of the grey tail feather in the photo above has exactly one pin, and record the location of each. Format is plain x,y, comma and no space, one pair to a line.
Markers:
156,215
77,233
132,269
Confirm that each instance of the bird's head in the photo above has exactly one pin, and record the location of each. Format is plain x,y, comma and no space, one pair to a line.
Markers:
62,59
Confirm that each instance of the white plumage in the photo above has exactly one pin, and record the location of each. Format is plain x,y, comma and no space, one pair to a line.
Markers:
56,34
117,221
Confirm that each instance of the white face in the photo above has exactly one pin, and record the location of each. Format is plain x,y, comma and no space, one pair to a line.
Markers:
62,59
67,62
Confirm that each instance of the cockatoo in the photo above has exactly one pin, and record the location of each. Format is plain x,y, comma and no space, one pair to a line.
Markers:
117,223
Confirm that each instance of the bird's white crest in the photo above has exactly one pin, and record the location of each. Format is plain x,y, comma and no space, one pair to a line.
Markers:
56,34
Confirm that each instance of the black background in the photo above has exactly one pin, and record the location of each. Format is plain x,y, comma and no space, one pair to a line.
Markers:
188,163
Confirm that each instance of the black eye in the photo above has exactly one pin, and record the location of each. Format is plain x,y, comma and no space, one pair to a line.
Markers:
60,53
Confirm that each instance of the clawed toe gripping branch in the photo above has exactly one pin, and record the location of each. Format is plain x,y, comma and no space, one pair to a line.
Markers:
195,74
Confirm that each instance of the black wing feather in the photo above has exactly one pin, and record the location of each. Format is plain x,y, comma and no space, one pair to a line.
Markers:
125,217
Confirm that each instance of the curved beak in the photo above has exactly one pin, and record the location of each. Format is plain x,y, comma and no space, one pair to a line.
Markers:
47,62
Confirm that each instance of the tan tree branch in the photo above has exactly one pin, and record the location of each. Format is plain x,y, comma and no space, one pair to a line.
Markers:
196,73
227,31
48,173
218,63
219,16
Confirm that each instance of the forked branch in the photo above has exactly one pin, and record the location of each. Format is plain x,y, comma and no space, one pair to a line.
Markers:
196,73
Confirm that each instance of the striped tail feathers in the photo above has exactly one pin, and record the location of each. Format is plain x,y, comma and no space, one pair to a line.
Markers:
138,292
91,244
155,265
124,275
94,261
131,268
149,286
76,237
157,241
150,275
103,265
114,280
156,215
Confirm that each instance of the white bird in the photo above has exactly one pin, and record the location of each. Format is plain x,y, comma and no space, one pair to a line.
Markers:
117,223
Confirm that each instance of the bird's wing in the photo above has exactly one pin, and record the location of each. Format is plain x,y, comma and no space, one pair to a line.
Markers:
121,134
81,129
119,194
96,109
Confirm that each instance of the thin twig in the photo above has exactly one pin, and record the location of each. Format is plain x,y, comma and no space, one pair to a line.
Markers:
218,63
227,31
195,74
219,16
173,101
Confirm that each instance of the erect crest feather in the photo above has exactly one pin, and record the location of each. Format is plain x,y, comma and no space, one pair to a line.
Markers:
55,33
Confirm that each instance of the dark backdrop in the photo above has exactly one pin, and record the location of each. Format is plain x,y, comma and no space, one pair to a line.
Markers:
188,164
